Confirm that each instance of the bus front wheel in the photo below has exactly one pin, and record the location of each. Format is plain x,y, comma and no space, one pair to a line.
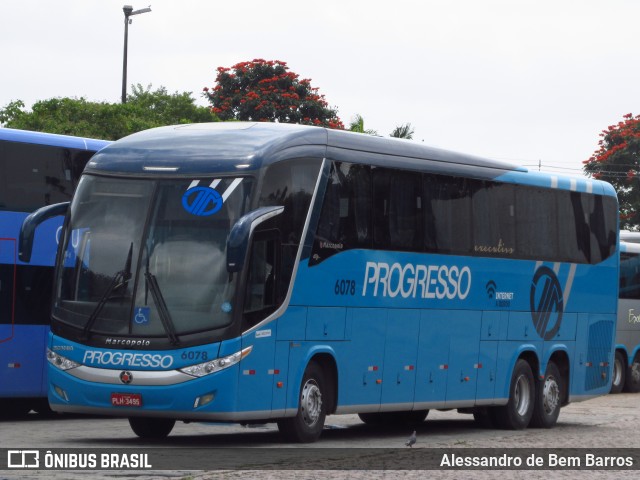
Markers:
516,414
151,427
619,370
308,422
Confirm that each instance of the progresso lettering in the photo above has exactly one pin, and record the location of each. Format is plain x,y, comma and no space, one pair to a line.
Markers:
125,360
416,281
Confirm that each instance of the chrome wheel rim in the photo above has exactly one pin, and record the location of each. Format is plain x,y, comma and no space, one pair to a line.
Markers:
617,372
550,395
522,395
311,402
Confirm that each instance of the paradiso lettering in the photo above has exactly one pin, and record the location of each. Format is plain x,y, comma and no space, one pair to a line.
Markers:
416,281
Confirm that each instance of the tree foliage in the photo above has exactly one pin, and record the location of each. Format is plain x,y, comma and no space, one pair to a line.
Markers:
357,125
403,131
77,116
617,161
268,91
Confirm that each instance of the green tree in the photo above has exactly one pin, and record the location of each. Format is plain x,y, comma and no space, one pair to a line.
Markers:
617,160
403,131
267,91
357,125
72,116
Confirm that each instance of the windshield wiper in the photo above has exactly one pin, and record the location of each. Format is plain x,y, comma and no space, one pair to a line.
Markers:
163,311
119,280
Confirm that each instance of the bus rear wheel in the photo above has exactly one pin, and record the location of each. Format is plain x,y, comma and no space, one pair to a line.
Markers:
619,370
151,427
549,395
632,382
308,422
516,414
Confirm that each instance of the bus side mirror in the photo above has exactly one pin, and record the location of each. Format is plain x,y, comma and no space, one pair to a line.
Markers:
240,236
31,223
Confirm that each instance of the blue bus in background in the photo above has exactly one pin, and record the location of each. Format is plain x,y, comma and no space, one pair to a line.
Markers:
626,371
257,272
36,169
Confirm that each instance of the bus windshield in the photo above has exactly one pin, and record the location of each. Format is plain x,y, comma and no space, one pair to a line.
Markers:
122,275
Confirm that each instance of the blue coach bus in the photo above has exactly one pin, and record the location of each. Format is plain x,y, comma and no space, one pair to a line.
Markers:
626,370
36,169
275,273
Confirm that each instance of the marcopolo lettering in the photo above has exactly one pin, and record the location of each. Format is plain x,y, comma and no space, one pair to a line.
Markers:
126,359
127,342
416,281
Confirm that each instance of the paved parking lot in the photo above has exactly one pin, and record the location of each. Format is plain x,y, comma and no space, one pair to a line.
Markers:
603,423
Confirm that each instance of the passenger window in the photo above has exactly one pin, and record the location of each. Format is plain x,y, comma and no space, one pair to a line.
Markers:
537,223
447,214
494,216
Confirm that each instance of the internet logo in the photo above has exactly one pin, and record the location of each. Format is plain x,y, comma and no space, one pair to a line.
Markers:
547,302
202,201
491,289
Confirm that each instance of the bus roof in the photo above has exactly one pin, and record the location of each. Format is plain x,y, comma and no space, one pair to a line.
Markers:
52,139
213,147
210,148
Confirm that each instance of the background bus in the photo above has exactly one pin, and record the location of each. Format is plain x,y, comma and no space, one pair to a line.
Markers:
626,372
36,169
264,272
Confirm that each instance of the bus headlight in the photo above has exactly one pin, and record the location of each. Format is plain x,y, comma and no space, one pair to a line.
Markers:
216,365
58,361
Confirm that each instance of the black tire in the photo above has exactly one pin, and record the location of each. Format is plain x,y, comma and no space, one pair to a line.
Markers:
549,398
42,407
619,373
14,408
483,417
388,419
516,414
308,423
632,378
157,428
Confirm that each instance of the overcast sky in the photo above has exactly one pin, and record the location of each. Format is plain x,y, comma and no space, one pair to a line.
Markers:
524,81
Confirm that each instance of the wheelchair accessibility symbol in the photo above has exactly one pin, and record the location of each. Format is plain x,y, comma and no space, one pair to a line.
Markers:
141,315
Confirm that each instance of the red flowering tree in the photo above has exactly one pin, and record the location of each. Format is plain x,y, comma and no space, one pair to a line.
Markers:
267,91
617,160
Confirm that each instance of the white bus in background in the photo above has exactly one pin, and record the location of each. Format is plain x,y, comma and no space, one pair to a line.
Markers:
629,237
626,370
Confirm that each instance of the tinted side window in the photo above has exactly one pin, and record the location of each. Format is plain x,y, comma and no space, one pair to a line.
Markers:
345,219
537,224
290,184
494,219
603,217
630,276
461,216
397,210
448,219
32,176
573,227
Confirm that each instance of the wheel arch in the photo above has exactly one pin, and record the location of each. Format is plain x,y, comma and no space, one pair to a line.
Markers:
325,357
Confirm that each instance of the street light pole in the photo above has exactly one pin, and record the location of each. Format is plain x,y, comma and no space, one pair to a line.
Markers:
128,12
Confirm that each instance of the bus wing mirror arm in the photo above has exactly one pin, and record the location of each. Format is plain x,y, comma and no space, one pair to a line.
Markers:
32,222
240,235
